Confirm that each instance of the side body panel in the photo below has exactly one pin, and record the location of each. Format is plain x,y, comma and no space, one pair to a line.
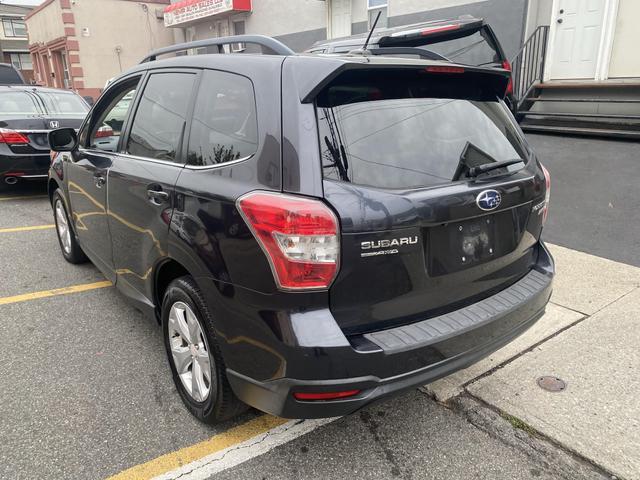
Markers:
86,176
141,193
211,240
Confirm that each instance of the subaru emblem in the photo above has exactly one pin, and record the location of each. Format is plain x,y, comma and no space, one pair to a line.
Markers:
488,199
54,124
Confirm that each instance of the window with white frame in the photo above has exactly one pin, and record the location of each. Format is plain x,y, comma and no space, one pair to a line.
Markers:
373,8
22,61
14,27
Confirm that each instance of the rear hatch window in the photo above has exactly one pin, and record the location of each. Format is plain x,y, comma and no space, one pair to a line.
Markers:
63,103
18,102
413,129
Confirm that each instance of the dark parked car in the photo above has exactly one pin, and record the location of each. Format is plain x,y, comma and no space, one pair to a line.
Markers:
466,40
27,115
10,75
313,233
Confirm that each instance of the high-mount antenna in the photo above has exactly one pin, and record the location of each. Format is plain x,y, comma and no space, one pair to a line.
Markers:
373,27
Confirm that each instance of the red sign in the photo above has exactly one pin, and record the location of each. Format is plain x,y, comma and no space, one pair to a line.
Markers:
189,10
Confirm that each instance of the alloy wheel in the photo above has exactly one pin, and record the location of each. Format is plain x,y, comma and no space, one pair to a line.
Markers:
62,225
189,351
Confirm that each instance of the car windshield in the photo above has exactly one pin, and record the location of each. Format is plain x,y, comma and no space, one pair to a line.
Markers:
60,103
19,102
385,135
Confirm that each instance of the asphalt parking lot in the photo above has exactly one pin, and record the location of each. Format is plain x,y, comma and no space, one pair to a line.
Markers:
86,392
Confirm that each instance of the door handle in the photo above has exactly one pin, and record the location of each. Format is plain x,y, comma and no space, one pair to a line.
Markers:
157,197
99,181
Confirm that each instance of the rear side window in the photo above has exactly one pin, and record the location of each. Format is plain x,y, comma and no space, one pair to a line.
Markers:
18,102
63,103
224,126
410,132
159,121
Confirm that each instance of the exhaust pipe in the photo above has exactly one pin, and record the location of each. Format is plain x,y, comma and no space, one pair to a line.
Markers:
10,180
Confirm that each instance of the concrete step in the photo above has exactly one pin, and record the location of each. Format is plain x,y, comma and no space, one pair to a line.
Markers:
581,130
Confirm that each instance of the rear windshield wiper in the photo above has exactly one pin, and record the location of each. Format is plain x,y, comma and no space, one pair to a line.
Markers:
487,167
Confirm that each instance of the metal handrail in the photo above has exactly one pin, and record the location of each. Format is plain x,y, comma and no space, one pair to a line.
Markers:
275,46
527,66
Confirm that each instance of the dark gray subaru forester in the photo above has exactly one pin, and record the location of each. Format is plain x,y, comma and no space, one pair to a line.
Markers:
312,232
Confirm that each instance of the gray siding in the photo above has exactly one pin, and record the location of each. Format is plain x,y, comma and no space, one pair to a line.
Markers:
300,41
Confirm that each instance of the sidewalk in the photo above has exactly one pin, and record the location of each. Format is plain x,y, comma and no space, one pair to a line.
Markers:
589,338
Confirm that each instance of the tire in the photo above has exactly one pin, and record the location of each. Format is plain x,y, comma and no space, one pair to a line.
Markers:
71,250
183,304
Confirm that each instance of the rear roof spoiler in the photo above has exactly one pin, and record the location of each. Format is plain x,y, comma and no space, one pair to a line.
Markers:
428,34
311,76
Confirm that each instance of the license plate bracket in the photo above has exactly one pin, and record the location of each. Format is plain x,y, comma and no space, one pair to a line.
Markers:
460,245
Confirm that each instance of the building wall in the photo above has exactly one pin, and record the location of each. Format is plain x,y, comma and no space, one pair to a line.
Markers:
625,61
539,13
131,27
298,24
11,44
45,25
98,38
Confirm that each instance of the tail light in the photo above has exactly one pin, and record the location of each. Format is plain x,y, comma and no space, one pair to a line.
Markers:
547,194
104,131
299,236
12,137
507,66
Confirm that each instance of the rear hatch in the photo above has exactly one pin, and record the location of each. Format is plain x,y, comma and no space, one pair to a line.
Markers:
421,235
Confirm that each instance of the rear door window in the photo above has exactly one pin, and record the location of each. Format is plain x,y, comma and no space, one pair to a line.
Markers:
159,121
224,126
412,131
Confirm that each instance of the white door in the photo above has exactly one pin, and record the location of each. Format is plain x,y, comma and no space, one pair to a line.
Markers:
340,18
577,33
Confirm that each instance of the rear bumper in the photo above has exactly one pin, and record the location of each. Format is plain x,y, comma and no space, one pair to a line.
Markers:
396,359
24,166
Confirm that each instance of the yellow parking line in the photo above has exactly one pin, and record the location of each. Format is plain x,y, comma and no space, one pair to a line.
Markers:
55,292
23,197
173,460
26,229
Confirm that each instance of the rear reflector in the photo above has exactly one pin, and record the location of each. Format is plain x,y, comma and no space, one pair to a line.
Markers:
547,194
299,235
507,66
324,395
11,137
439,69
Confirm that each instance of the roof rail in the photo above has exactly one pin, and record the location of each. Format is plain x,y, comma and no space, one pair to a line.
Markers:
276,46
